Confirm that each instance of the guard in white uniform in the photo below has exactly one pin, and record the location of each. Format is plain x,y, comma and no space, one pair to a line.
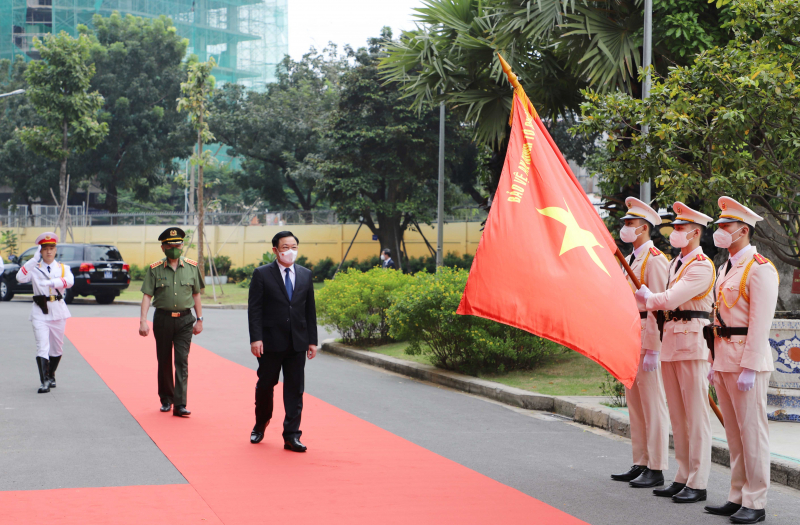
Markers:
49,313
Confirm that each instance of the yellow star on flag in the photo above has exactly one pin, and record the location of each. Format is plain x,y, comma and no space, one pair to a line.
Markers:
574,235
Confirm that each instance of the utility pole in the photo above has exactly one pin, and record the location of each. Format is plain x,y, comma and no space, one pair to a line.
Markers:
440,232
644,187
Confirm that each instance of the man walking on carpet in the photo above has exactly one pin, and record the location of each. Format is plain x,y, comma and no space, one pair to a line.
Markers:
282,318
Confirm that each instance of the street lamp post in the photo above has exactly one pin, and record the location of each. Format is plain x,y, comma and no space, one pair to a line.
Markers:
440,232
644,188
16,92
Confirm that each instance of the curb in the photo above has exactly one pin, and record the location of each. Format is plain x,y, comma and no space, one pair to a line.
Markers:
205,306
783,472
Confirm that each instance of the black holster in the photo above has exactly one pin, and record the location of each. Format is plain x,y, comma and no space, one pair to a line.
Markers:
708,335
660,320
41,302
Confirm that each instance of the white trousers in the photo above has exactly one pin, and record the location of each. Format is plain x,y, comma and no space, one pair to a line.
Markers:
746,428
49,337
686,386
647,409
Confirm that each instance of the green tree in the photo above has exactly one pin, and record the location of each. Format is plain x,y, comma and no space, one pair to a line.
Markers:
383,163
728,124
29,175
281,133
139,72
195,100
59,89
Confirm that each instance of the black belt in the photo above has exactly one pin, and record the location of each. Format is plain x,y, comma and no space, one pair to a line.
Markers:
179,313
643,315
726,332
684,315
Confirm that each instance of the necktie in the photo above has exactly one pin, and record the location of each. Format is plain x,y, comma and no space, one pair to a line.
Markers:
48,269
289,287
633,256
728,267
678,266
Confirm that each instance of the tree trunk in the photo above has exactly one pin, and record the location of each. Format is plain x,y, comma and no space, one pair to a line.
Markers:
62,189
201,210
390,235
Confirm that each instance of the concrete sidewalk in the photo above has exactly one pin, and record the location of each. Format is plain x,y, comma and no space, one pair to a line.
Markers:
588,410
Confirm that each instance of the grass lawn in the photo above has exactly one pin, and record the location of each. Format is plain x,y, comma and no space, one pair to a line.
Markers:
569,374
226,293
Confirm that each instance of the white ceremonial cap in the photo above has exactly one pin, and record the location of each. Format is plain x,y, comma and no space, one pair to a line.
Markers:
47,238
732,211
686,215
639,210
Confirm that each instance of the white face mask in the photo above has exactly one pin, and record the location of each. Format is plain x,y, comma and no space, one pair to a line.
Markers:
723,239
383,257
628,234
679,239
288,256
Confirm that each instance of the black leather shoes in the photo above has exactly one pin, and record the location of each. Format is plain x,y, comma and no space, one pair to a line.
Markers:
745,515
729,509
670,491
258,433
689,495
294,445
180,411
648,479
165,407
631,475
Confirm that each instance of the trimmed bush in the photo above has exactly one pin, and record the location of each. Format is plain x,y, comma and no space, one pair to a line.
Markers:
355,303
237,275
137,273
222,264
424,313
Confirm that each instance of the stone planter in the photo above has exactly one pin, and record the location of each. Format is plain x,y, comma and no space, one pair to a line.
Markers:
218,279
783,395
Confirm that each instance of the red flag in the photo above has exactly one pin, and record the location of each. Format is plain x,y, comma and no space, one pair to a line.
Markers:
545,262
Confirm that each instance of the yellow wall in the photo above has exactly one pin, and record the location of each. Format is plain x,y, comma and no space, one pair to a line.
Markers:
245,244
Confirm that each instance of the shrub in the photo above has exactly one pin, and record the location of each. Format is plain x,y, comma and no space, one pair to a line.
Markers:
323,270
424,312
612,388
355,303
222,265
137,273
237,275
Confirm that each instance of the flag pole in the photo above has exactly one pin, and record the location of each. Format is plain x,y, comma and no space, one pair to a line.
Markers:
638,285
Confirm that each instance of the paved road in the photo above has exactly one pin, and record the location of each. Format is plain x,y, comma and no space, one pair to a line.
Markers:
80,435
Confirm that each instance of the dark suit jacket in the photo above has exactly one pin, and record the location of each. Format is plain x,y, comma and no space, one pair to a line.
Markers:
272,319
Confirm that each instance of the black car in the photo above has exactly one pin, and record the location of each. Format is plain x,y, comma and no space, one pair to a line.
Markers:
98,269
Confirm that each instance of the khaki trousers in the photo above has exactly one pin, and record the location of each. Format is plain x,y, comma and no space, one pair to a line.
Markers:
647,409
745,415
686,387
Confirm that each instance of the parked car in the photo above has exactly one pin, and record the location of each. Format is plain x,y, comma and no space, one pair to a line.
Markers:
98,269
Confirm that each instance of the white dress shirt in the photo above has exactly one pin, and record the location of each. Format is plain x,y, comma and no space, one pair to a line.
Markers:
291,274
735,258
691,255
47,279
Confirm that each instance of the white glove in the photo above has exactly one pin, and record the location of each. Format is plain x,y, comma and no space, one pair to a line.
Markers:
642,294
650,362
711,376
747,380
38,255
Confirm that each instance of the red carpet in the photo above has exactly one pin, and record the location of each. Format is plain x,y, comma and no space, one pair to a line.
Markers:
354,472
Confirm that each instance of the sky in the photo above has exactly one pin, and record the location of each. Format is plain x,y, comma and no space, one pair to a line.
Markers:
317,22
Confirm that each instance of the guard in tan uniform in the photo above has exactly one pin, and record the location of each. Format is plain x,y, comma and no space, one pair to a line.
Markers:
746,294
687,306
647,406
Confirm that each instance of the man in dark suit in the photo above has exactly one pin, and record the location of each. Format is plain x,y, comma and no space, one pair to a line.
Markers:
386,258
283,331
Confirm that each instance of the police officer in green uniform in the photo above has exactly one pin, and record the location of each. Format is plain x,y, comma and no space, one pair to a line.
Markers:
174,285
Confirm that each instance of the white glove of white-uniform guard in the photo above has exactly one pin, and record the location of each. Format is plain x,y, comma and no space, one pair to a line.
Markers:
650,362
642,294
38,255
710,376
747,379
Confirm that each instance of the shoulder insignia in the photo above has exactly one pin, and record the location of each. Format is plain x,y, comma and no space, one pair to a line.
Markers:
191,261
655,251
701,257
156,264
760,259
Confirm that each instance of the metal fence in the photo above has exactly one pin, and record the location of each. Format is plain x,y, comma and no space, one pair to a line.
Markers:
47,217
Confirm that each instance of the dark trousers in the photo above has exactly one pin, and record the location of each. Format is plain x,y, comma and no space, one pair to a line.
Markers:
172,332
270,365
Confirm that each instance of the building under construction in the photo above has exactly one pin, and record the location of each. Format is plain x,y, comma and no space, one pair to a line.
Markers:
247,38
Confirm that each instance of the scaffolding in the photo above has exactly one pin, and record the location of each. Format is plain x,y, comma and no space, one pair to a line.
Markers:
247,38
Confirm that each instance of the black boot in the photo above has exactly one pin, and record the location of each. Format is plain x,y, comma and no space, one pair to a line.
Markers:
44,373
54,360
